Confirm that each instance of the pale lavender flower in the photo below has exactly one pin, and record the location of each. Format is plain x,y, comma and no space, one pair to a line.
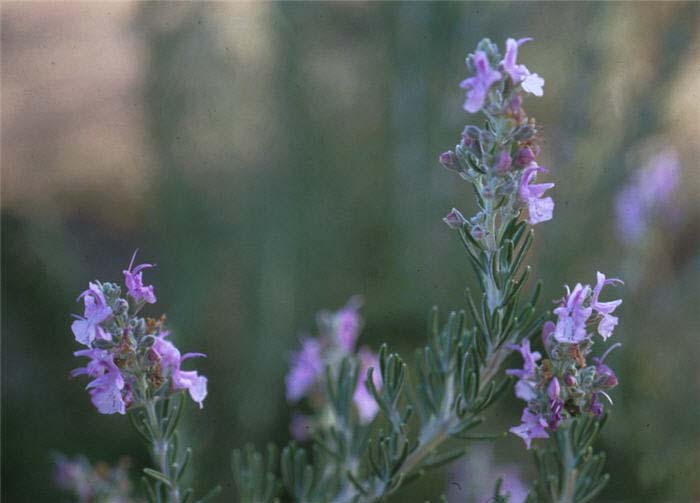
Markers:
533,84
367,406
525,387
171,361
347,323
133,278
607,322
540,209
519,74
595,407
533,426
631,214
648,193
478,86
605,376
454,219
307,366
87,329
107,389
530,359
572,315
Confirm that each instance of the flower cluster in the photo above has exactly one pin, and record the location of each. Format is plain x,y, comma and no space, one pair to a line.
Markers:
501,159
131,359
563,384
338,333
88,483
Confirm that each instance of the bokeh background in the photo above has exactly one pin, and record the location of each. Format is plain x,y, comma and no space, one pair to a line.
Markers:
274,159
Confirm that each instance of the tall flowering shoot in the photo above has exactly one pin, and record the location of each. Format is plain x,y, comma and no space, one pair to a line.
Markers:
428,421
459,373
134,368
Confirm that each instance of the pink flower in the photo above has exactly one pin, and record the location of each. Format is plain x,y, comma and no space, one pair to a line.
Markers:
367,407
87,329
527,377
134,282
454,219
572,314
540,209
607,322
478,86
307,366
519,74
347,323
532,427
107,389
171,361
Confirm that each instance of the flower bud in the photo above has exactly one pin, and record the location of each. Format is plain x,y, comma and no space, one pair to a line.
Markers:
102,344
121,306
477,232
153,355
570,380
548,335
553,389
503,162
605,377
526,155
454,219
449,160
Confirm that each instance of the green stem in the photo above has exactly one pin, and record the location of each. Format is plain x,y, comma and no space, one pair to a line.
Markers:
570,473
160,446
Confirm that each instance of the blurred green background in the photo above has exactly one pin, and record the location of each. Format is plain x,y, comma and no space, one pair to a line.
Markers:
274,159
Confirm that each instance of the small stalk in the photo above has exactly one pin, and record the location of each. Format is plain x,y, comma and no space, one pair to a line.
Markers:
570,472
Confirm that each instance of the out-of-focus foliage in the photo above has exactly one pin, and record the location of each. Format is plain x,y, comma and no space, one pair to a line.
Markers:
275,158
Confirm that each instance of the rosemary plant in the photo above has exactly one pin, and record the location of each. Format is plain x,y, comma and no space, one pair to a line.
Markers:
373,429
459,373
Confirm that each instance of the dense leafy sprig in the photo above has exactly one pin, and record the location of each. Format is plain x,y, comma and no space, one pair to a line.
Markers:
135,369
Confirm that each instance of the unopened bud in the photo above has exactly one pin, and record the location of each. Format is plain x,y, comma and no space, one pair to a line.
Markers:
449,160
153,355
503,162
121,306
553,389
526,155
454,219
477,232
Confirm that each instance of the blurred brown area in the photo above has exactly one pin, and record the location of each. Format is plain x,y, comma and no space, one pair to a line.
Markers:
276,158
